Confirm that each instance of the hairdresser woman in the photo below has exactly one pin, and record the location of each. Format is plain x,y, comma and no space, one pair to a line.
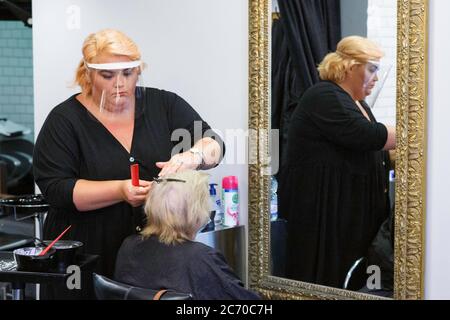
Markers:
85,148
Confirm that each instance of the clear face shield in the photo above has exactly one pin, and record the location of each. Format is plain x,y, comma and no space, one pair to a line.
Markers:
376,75
117,88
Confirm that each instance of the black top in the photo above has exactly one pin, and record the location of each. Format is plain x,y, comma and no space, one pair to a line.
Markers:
73,144
333,190
188,267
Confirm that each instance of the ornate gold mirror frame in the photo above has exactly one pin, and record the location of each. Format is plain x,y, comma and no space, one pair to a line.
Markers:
410,163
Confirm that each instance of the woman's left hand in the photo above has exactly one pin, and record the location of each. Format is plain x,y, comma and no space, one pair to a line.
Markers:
179,162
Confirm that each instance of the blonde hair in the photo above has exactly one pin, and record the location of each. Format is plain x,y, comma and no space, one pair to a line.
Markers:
177,210
350,51
107,41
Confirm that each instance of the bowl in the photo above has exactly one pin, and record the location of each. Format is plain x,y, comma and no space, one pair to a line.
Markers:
28,259
66,250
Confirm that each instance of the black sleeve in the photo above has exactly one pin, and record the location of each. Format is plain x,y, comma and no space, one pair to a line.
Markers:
215,280
182,116
56,161
339,121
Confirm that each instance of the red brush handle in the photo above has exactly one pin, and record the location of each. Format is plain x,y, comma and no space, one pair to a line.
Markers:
135,175
54,241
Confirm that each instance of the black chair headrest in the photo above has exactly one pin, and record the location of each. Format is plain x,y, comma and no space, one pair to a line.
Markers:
107,289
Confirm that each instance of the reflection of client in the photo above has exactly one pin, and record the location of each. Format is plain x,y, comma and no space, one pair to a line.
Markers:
165,256
332,190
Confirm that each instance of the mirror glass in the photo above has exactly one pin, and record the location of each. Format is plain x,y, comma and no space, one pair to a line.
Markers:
331,221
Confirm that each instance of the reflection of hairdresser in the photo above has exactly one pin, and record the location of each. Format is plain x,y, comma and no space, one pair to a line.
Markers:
84,150
165,256
332,190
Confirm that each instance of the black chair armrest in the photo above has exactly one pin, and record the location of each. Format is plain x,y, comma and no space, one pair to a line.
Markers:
356,270
107,289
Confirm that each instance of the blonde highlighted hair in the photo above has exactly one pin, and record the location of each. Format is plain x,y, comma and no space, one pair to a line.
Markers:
107,41
350,51
176,210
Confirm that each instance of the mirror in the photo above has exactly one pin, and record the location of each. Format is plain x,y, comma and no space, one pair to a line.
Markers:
409,164
330,197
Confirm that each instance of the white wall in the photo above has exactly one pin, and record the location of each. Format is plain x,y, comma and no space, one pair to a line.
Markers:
196,48
437,255
382,28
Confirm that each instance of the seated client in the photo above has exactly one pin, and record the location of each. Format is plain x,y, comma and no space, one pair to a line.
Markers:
165,255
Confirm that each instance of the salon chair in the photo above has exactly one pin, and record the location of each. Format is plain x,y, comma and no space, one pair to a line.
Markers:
10,242
356,279
15,234
278,240
107,289
356,276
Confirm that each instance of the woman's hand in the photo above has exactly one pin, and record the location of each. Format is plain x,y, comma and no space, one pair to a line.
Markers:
135,196
179,162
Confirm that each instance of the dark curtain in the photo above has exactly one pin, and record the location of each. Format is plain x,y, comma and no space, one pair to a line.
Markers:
305,32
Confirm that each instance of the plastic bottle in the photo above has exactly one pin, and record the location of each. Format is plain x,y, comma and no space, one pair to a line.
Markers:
273,199
230,196
216,204
210,226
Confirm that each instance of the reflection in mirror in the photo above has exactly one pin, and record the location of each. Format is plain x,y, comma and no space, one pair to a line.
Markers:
332,199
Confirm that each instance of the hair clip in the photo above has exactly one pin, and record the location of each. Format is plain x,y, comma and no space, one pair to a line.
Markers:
159,180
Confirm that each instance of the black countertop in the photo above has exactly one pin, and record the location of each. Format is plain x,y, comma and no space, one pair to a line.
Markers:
9,273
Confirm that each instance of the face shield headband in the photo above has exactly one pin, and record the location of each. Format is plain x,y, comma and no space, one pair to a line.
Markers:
114,66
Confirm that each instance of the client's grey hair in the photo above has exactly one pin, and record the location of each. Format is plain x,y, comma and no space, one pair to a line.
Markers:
177,210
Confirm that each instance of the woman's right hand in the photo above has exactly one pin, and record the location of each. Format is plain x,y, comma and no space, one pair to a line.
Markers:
135,196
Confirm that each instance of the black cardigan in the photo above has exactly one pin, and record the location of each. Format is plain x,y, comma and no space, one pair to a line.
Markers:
189,267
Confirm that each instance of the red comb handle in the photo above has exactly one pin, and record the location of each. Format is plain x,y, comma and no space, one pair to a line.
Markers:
134,175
